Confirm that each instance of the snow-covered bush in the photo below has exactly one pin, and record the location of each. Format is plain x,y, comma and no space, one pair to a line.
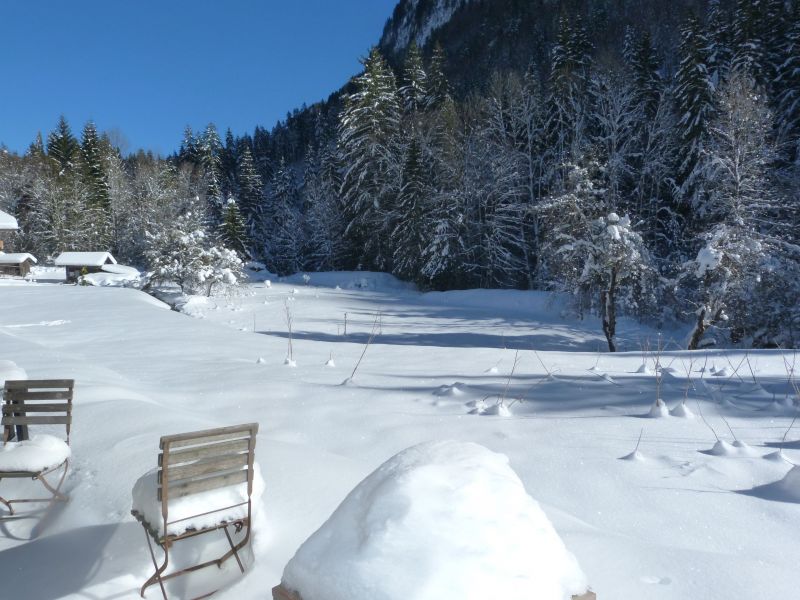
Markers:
603,261
182,253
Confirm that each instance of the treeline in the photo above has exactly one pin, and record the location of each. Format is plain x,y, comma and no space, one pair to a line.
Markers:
631,186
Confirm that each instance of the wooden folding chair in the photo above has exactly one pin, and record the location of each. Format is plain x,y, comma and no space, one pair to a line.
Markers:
194,463
35,402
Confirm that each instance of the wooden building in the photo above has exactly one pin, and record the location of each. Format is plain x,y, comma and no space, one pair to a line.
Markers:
7,224
81,263
16,264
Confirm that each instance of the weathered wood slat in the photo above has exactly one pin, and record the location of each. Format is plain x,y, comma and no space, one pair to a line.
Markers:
24,394
180,490
181,456
28,407
12,384
208,436
37,420
207,467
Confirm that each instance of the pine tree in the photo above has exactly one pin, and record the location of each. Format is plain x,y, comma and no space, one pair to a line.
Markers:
62,147
643,64
94,169
36,149
568,102
788,84
251,191
694,98
369,142
410,235
188,151
325,225
209,151
282,228
438,88
720,48
415,82
233,230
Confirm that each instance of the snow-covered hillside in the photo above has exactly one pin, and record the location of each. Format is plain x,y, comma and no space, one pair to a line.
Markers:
417,20
684,516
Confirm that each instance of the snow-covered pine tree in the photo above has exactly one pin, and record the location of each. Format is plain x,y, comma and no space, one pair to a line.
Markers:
283,227
188,151
251,192
694,99
568,102
413,207
94,168
324,219
62,147
371,152
233,231
720,43
787,84
209,150
414,90
438,88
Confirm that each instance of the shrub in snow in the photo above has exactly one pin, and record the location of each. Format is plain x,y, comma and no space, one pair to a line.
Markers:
603,262
438,521
182,253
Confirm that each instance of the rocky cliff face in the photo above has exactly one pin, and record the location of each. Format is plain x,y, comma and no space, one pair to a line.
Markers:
416,20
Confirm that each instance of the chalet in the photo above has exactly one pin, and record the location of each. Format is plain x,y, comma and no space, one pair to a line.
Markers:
81,263
7,223
16,264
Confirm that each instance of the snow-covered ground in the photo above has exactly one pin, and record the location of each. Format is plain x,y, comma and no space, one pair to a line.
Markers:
684,517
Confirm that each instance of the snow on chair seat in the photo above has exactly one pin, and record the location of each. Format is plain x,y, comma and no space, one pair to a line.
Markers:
205,481
35,402
39,453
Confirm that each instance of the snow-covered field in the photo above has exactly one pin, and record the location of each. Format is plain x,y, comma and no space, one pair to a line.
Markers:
683,518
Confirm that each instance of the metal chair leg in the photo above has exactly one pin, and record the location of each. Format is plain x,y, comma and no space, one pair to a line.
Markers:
158,570
234,549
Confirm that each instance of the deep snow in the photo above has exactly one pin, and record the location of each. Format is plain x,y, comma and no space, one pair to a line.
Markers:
679,522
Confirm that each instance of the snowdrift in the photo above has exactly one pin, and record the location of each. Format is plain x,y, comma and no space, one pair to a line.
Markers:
438,521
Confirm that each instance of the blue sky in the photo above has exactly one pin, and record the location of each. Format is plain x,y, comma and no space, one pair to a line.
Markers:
148,68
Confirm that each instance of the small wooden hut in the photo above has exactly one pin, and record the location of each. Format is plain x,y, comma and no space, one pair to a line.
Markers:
7,223
80,263
16,264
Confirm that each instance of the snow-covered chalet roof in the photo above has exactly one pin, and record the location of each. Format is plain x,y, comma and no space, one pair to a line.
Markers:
84,259
7,222
16,259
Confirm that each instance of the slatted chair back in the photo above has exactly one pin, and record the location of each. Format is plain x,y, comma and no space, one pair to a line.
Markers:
36,402
200,461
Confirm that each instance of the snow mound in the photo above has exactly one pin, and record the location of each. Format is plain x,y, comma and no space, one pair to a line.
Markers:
10,370
438,521
634,456
644,370
186,513
499,409
658,410
36,454
113,276
682,411
777,456
455,389
723,372
737,448
785,490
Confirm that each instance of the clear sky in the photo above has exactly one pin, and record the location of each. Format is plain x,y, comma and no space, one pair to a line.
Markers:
148,68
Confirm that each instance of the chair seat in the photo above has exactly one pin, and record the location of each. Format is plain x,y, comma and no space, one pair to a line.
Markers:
185,513
37,454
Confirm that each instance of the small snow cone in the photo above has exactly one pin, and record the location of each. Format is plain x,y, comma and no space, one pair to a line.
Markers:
438,521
